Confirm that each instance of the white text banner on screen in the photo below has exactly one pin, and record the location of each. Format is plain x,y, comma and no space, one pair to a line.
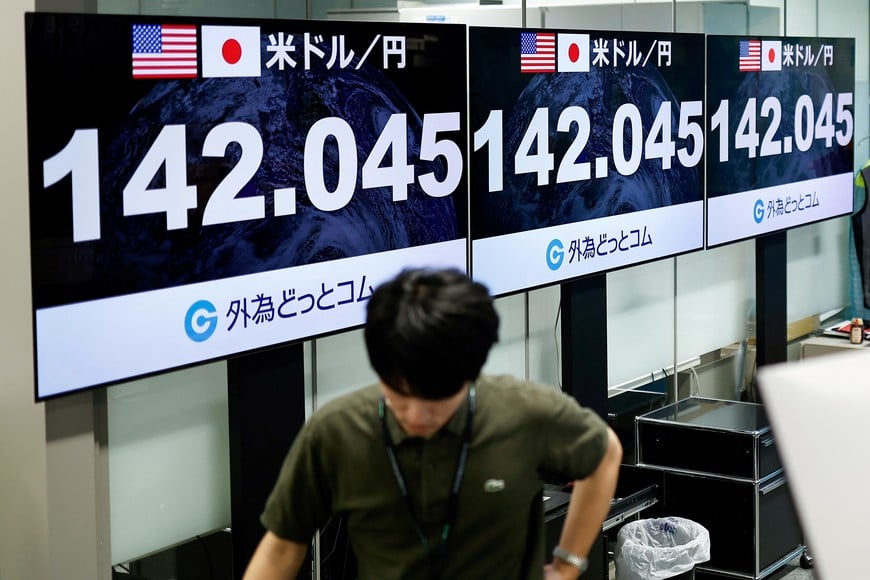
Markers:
760,211
563,252
142,333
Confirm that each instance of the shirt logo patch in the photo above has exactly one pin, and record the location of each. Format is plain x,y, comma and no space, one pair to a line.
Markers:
493,485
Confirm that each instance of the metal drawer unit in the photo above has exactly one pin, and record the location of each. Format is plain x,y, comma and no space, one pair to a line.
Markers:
721,469
622,509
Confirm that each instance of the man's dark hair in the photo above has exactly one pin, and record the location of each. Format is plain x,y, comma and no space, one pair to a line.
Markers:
430,331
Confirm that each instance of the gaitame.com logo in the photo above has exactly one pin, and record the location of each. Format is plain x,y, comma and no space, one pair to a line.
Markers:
555,254
201,321
758,211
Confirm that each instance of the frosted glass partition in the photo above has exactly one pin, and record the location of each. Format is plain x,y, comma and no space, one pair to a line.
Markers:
118,6
341,366
715,298
508,356
640,321
286,9
472,14
169,473
818,269
601,17
342,363
862,118
248,9
545,348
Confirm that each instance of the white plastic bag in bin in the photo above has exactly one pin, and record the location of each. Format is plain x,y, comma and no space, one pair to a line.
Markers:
660,548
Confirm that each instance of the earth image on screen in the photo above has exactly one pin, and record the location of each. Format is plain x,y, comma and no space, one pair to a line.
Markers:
523,205
139,252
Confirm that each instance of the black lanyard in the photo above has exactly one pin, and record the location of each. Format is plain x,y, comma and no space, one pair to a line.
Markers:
457,478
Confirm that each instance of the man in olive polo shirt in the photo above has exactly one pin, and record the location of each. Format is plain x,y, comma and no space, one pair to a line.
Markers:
439,470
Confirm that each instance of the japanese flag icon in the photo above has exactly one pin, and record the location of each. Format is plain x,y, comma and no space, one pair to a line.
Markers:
573,53
771,55
230,51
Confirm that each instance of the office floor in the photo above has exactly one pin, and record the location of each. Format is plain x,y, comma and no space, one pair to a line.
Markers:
791,571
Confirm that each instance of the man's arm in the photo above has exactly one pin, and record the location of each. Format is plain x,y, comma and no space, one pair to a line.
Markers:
589,506
276,559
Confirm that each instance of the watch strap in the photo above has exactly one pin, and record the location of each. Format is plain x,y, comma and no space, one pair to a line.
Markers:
573,559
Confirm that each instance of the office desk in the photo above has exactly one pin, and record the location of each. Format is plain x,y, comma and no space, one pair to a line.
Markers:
821,345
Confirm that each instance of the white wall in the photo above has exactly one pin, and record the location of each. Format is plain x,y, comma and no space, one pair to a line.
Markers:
23,483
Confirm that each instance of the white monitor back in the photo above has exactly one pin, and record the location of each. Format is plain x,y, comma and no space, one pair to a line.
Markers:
818,410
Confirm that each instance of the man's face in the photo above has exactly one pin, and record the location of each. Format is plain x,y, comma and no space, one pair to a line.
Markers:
422,417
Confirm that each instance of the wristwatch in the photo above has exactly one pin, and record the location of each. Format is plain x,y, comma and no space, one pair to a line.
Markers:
573,559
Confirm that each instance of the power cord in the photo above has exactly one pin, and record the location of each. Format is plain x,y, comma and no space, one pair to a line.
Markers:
749,394
697,390
337,535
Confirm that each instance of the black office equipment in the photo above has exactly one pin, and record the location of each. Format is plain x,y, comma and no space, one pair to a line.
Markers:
622,509
721,469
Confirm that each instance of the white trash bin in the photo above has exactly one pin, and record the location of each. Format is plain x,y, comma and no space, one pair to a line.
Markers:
660,548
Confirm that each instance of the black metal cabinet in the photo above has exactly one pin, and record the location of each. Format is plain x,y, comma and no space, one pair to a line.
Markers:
721,470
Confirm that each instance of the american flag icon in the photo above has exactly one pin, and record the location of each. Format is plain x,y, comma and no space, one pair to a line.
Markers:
750,56
164,51
537,52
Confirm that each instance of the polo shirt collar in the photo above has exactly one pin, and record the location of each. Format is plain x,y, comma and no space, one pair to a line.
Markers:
455,425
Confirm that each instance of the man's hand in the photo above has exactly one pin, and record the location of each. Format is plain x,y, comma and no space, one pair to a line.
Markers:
564,572
587,509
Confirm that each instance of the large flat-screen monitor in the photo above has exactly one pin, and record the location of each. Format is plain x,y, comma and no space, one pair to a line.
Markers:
780,124
205,187
587,152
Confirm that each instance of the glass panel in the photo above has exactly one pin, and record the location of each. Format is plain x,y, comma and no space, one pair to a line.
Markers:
290,9
801,18
818,255
247,9
169,474
341,366
509,354
715,299
818,269
320,8
545,336
118,6
715,294
640,321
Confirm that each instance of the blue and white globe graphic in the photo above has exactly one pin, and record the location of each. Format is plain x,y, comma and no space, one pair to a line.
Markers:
787,167
524,205
138,252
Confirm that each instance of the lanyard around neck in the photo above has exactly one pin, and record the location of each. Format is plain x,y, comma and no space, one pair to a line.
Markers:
457,478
